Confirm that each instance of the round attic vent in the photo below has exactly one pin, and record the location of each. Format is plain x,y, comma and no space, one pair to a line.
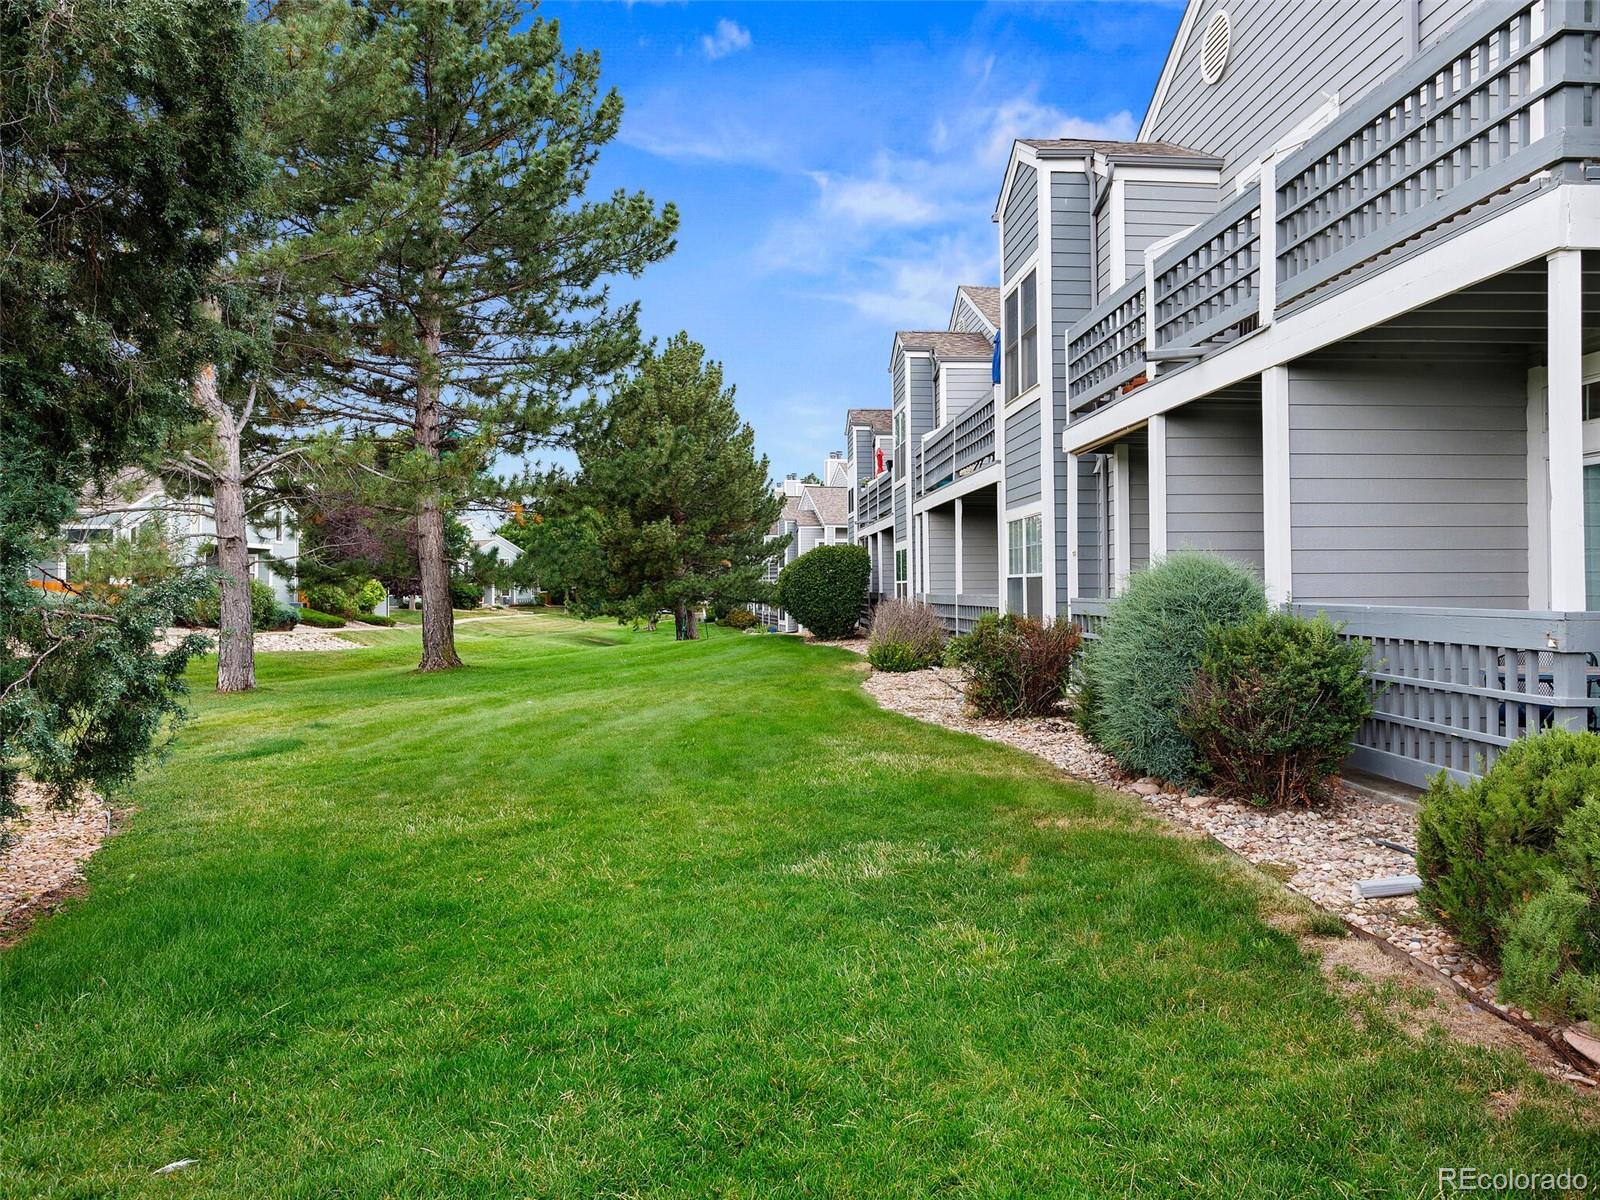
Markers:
1214,46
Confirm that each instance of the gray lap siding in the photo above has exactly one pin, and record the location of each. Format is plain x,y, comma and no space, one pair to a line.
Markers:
1409,487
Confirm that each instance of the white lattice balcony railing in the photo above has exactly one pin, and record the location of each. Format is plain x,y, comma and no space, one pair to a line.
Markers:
1503,105
958,448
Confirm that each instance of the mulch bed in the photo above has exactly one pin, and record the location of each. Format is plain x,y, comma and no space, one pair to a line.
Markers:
44,864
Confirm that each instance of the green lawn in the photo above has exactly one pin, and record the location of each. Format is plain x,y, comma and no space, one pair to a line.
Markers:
606,915
413,616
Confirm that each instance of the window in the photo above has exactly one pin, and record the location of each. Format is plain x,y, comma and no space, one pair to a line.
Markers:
899,572
1025,565
1025,546
899,425
1021,368
1591,402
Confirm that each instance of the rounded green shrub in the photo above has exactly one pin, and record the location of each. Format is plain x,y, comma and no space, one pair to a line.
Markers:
905,636
367,594
1551,957
1273,706
265,611
1485,847
1016,666
825,589
464,593
737,617
331,598
320,620
1138,670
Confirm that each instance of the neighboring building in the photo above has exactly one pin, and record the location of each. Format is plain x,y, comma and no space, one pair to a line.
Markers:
1326,317
813,515
134,499
486,539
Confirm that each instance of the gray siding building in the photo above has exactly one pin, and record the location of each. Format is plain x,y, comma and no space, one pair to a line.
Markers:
1322,319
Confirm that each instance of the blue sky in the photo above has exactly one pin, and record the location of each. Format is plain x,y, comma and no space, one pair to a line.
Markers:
835,166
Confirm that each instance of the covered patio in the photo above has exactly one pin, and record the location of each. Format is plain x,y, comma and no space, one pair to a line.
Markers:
1433,482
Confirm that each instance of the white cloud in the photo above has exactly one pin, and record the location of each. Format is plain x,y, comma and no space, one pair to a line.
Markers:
674,127
729,37
873,201
913,289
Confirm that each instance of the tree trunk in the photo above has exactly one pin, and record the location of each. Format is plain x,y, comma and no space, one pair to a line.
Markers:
236,639
433,565
680,620
693,633
655,619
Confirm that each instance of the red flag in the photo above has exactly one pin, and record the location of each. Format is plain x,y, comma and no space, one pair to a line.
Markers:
877,459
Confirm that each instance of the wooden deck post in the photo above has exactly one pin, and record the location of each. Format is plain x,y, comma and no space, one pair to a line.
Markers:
1564,429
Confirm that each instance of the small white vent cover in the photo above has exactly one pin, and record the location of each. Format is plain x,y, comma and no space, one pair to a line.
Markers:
1214,43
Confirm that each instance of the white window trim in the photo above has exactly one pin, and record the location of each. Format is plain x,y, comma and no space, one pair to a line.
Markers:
1041,343
1117,247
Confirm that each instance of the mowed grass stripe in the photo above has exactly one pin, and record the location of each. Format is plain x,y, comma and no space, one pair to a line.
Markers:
650,918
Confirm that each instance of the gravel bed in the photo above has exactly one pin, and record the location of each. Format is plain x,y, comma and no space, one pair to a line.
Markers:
45,860
301,637
1319,853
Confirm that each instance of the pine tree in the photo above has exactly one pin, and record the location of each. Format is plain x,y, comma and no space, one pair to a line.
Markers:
485,309
124,149
679,503
284,254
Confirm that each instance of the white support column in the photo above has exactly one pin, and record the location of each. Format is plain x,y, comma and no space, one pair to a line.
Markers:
1565,429
1000,452
1275,510
1267,243
1538,493
1157,465
1072,529
1049,443
960,576
1122,535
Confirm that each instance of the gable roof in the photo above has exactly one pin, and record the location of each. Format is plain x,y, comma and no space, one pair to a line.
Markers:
831,504
1180,39
794,509
1054,146
879,420
946,344
1028,152
986,300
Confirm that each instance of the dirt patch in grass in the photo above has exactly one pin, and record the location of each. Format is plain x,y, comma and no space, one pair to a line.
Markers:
1357,969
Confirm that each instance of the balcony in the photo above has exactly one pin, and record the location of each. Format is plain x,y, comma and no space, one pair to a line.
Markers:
1471,126
957,448
875,500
